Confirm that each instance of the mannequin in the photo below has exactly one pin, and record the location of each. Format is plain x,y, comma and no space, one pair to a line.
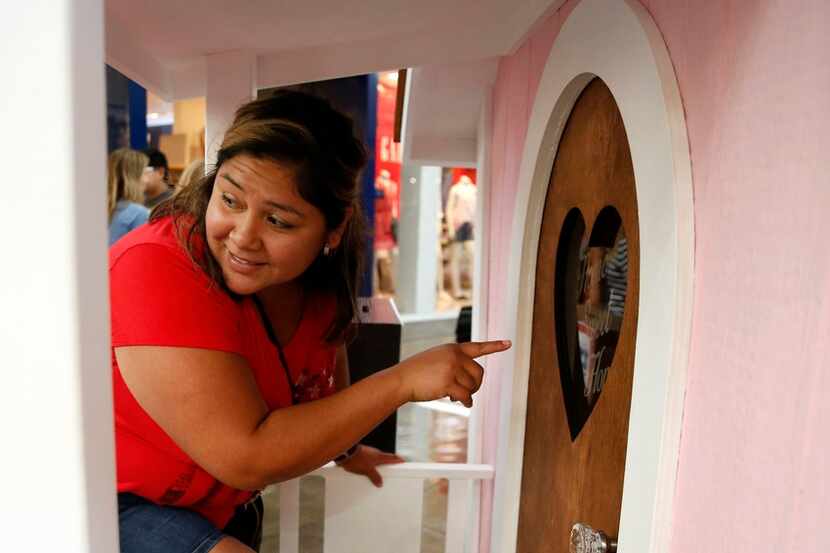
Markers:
461,208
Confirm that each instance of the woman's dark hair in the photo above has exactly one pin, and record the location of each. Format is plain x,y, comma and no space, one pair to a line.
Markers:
320,144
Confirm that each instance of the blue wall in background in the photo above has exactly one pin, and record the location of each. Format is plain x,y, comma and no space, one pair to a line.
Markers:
138,116
126,112
118,110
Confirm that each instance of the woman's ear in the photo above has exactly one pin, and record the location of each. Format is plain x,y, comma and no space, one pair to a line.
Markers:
335,236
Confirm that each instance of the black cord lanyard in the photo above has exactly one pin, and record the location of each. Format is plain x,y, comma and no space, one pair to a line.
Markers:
269,329
346,455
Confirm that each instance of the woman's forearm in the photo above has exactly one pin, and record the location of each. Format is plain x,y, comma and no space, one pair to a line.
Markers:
293,441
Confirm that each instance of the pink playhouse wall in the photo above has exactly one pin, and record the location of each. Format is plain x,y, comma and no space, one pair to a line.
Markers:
754,77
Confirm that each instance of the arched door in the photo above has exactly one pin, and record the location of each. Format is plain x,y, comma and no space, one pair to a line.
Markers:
584,330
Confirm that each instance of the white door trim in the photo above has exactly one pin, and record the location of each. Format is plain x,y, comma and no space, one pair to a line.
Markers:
620,43
481,259
481,291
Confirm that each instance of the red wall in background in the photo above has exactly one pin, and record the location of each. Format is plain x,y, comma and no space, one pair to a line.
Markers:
458,172
387,159
387,152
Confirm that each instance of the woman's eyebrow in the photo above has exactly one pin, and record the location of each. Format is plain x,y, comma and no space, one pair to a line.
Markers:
283,207
228,178
275,205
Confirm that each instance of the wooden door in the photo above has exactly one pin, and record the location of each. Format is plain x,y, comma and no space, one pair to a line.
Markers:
584,329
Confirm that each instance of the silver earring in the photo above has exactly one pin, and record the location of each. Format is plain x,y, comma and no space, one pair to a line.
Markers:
326,250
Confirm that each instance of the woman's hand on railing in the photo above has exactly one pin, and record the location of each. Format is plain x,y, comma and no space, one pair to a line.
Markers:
447,371
365,461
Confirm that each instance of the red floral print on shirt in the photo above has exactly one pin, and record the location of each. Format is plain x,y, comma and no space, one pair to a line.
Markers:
310,386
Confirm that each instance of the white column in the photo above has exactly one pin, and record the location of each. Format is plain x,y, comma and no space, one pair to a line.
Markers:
231,81
57,468
418,238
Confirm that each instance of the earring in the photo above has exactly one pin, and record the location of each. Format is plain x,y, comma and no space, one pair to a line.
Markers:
326,250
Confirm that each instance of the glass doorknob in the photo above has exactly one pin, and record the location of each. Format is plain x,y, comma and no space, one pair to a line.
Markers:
585,539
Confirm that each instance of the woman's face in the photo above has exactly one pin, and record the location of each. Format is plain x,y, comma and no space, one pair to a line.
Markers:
259,229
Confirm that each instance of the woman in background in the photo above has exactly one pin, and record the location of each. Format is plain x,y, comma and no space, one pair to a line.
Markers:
192,173
125,192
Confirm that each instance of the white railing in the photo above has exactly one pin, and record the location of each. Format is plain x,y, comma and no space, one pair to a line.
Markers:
360,518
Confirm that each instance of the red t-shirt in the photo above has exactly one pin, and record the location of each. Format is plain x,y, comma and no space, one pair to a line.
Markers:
159,297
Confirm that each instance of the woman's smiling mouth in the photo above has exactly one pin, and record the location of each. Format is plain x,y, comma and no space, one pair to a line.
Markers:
242,265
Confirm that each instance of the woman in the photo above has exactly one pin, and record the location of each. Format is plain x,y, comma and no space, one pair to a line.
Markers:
125,192
193,173
229,314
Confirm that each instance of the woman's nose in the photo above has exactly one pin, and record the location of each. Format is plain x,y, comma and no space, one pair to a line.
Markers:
245,234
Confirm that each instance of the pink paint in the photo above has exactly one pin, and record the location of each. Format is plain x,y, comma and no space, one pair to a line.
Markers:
754,78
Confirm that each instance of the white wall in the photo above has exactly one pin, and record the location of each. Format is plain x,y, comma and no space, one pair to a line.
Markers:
231,82
418,238
57,468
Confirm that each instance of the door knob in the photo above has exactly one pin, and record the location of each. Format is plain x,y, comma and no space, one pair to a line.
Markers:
585,539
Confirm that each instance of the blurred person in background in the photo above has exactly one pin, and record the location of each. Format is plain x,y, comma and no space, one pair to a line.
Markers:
125,192
156,179
192,173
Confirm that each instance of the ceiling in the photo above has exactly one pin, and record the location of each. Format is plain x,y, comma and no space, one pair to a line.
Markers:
443,109
164,44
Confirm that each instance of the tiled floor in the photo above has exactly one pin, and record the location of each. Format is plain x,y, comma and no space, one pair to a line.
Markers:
423,435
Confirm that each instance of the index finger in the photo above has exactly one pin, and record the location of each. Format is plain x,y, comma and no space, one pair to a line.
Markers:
477,349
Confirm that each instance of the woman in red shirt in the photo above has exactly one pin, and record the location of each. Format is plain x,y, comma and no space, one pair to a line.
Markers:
229,312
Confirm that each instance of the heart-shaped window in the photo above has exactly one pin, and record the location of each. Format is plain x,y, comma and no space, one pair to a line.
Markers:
590,291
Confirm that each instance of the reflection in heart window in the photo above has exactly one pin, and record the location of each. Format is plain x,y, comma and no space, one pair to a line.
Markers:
590,291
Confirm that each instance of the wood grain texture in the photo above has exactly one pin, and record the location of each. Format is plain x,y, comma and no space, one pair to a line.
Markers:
564,482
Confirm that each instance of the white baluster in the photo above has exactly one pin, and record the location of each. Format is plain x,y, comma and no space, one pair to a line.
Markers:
457,515
290,516
361,518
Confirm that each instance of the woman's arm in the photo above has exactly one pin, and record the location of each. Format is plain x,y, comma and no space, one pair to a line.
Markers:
209,404
363,460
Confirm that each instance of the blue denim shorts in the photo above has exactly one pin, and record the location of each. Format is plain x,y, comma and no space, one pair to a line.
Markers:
145,527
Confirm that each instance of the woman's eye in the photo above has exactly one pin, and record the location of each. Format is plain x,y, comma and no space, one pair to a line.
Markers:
279,223
228,201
